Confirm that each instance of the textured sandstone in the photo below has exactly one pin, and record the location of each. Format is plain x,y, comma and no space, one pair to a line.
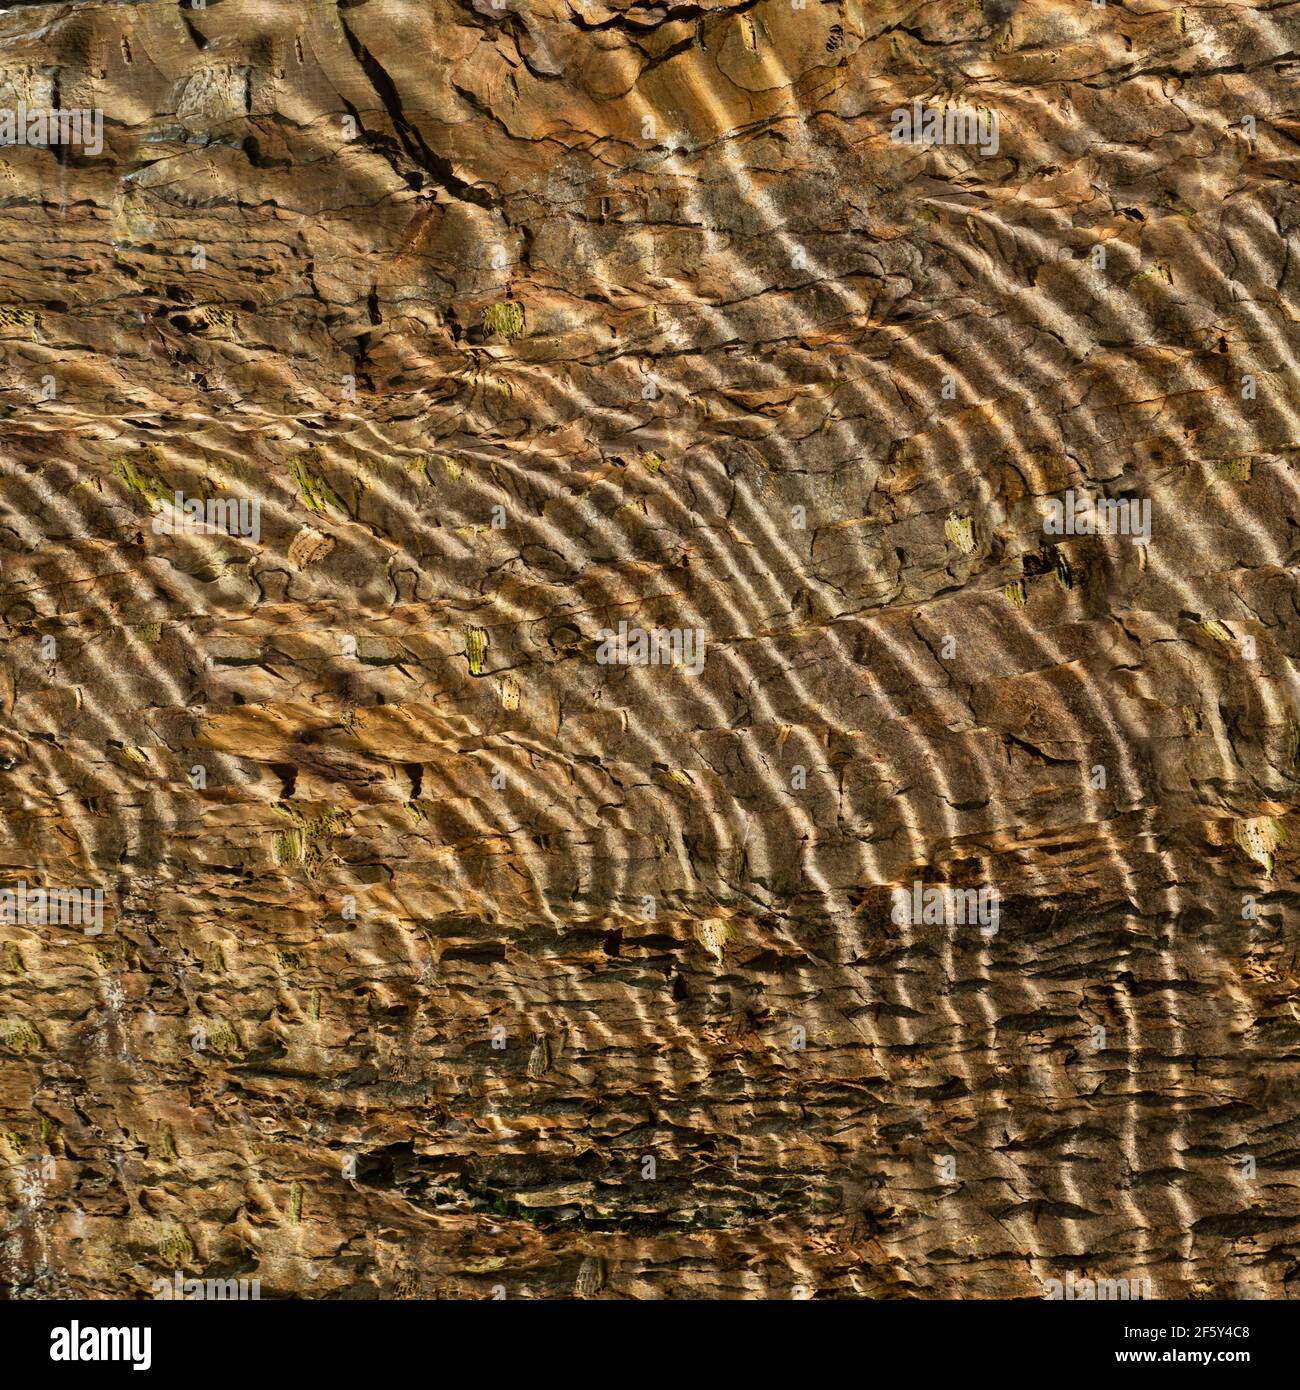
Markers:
391,265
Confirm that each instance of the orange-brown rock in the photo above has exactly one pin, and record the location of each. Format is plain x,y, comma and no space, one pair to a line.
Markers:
440,954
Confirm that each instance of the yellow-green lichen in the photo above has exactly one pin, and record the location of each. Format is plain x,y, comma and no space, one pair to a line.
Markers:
505,320
301,843
138,470
317,495
14,318
1160,270
223,1039
287,847
121,953
1233,470
960,530
476,644
175,1248
17,1035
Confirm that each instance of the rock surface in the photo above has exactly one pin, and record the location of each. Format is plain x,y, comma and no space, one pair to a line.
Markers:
441,957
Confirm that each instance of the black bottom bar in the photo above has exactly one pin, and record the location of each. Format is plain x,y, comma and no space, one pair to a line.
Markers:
339,1338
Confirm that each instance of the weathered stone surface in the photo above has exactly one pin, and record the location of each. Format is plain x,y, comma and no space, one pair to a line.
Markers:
522,322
